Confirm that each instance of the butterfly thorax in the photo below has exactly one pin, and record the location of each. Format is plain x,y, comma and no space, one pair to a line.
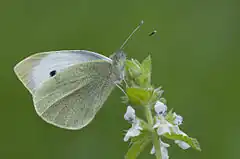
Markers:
118,66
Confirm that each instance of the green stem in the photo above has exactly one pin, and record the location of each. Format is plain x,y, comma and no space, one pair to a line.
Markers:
149,115
156,144
155,139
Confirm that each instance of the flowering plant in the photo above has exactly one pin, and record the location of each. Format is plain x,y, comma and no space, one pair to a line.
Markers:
157,123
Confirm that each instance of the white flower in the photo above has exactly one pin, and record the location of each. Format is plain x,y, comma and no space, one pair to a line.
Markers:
160,108
176,130
182,144
164,151
178,119
130,114
135,130
163,126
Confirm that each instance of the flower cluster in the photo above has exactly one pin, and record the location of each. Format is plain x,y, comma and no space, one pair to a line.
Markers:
156,123
166,125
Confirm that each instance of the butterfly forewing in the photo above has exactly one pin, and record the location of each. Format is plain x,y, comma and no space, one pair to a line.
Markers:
38,68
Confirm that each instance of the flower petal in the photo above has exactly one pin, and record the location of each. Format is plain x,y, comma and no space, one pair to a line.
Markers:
176,130
164,144
160,108
164,151
182,144
130,114
164,128
178,119
126,138
158,123
152,150
133,131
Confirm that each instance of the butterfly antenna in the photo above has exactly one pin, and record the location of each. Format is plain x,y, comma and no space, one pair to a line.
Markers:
129,37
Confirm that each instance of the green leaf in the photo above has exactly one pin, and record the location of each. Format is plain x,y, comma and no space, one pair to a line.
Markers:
144,80
138,146
190,141
157,93
139,74
133,71
133,67
147,65
138,96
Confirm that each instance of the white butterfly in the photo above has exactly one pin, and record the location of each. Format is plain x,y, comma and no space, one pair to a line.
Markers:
70,86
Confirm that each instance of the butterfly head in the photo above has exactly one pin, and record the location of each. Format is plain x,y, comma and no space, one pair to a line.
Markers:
118,65
119,59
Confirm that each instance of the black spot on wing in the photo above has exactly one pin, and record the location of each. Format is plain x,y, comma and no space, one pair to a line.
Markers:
52,73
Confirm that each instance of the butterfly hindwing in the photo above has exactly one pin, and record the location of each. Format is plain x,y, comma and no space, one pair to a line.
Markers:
72,98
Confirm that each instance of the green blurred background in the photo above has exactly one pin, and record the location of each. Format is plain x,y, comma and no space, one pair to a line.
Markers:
195,58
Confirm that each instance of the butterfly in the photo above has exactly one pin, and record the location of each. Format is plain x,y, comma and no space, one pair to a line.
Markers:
69,87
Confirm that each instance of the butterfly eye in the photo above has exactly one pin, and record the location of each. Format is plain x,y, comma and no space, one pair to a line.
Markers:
53,73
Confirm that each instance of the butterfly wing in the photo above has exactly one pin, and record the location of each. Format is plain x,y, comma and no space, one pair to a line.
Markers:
36,69
71,99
